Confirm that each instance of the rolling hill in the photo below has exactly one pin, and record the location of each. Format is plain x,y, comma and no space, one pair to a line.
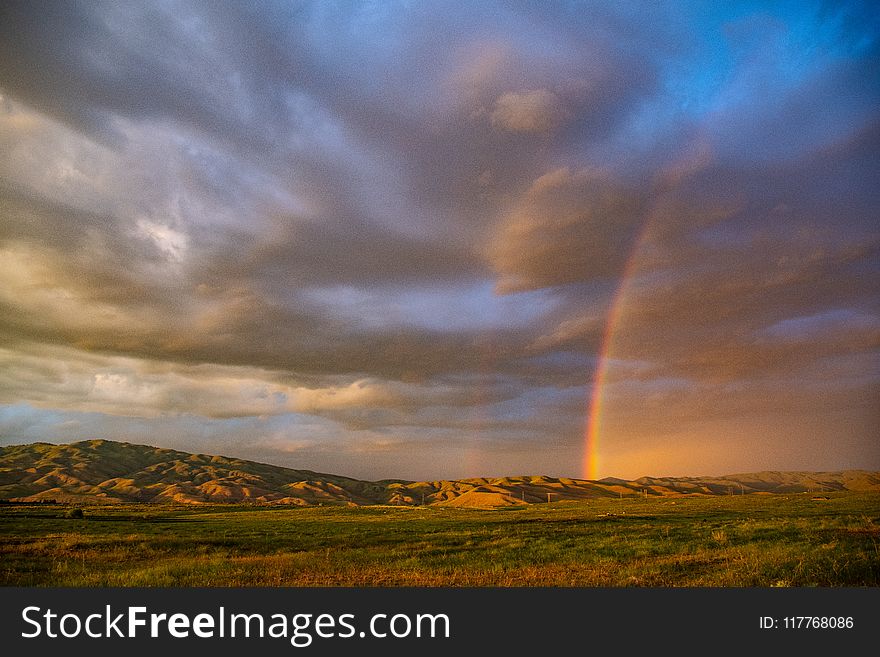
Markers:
103,471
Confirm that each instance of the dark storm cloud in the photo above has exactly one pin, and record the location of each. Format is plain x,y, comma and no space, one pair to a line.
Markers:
412,221
570,227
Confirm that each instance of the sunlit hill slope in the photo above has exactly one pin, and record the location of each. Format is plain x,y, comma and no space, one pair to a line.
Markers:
102,471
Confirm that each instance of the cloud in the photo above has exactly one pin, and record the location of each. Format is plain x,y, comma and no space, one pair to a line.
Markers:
317,234
568,227
527,111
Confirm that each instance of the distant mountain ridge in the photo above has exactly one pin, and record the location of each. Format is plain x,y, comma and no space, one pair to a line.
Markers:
104,471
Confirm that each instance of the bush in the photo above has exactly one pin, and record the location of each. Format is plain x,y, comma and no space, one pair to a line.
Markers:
74,513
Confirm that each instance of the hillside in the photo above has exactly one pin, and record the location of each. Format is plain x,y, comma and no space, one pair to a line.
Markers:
102,471
107,471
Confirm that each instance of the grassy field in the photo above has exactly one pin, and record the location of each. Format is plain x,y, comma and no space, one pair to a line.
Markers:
752,540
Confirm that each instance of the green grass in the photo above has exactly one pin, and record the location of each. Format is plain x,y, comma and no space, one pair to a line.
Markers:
752,540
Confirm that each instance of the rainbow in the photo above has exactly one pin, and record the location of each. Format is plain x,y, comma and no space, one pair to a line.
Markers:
594,413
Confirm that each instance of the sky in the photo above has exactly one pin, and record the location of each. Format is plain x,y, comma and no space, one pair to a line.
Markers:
429,240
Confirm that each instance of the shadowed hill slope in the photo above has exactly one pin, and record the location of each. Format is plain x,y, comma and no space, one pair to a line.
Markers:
107,471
